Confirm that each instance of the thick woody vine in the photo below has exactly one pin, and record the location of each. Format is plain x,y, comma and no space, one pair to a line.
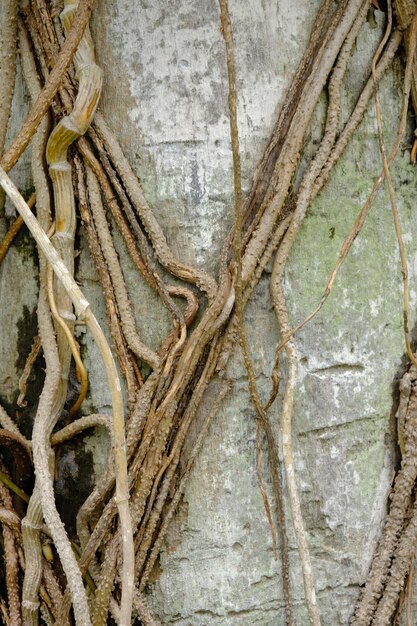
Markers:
122,525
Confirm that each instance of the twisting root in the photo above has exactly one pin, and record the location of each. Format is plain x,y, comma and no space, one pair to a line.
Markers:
167,469
122,494
108,291
81,424
11,559
398,571
142,260
32,523
10,518
288,159
180,488
396,217
14,230
278,299
40,107
358,112
83,310
119,286
217,316
306,192
356,228
82,372
265,179
7,423
303,201
67,130
80,122
405,479
30,361
405,12
54,592
8,43
239,307
143,611
391,543
105,587
165,256
135,426
129,225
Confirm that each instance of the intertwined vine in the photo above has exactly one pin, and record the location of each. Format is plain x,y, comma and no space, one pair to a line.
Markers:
122,524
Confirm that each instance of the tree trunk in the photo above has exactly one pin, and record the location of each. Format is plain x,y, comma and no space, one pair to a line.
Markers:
165,96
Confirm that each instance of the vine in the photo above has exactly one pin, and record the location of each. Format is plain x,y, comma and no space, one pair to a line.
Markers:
122,524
